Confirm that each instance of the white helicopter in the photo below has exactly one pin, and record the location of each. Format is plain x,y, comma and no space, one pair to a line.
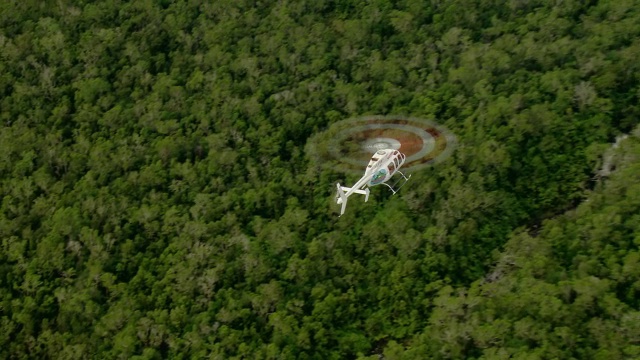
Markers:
383,165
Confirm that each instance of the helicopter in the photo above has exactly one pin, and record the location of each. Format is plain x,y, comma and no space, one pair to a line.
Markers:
384,164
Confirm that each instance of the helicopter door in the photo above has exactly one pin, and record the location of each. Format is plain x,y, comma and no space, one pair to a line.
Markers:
392,167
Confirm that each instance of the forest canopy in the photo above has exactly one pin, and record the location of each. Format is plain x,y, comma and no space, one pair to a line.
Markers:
157,200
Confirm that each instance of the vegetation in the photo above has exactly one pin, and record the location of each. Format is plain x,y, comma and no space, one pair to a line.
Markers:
157,202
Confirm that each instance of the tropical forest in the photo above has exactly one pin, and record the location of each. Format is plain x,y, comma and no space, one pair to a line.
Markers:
158,199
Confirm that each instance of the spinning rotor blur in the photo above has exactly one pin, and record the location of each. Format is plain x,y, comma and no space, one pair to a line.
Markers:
347,145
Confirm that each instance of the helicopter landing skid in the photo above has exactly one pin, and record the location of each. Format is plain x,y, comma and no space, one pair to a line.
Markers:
391,187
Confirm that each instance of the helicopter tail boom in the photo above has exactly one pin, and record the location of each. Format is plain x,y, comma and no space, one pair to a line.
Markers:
342,197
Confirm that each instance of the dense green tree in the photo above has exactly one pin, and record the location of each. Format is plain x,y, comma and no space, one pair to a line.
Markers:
156,199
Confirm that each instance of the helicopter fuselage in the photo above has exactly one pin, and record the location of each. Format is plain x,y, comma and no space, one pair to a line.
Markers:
383,164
